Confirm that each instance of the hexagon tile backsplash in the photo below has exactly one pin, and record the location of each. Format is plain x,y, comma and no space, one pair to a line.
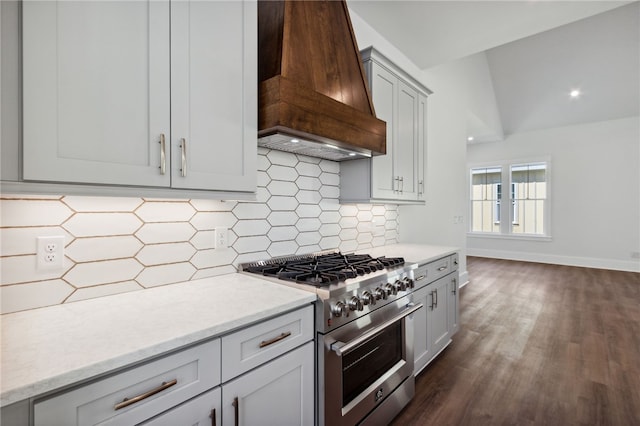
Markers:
114,245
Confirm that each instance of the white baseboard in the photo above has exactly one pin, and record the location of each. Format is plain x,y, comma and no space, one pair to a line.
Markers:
464,278
587,262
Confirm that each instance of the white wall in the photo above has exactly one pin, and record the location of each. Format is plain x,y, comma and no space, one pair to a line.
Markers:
595,194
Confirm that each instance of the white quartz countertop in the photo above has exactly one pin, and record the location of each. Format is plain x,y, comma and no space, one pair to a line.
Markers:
49,348
414,253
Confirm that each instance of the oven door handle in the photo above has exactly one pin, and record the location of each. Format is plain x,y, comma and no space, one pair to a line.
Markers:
341,348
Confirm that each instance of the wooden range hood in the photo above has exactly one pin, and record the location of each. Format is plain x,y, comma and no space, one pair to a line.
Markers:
312,87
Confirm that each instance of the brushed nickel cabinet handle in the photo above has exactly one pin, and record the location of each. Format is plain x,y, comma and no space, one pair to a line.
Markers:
128,401
433,301
183,150
442,268
236,411
436,292
163,155
265,343
455,286
401,184
420,185
421,277
213,417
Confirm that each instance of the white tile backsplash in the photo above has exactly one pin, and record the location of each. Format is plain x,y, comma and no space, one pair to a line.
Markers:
102,204
115,245
16,241
157,211
33,213
156,233
103,248
166,274
33,295
158,254
102,224
103,272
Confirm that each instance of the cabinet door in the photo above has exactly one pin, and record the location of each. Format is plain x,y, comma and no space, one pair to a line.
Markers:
422,146
201,411
405,146
438,314
213,95
280,392
453,298
95,91
383,90
421,346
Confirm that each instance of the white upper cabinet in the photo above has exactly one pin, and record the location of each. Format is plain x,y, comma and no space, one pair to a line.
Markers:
213,95
140,93
398,176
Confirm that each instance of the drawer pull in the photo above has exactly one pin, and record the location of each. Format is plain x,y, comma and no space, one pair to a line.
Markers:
128,401
442,268
275,339
421,277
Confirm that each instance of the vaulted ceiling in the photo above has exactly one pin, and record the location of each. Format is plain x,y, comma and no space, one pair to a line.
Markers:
537,52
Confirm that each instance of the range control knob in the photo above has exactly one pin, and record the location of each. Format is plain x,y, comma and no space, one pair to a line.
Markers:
409,282
400,285
355,304
380,293
338,309
368,298
391,289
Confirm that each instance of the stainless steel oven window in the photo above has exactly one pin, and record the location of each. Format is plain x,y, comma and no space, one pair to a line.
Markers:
368,362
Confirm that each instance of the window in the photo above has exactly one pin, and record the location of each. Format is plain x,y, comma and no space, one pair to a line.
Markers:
529,198
486,195
526,206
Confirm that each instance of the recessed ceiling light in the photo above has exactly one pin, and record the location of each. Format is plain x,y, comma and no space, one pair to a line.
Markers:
574,93
470,138
294,141
352,154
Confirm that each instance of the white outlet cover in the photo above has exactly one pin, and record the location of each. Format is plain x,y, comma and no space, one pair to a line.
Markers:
50,252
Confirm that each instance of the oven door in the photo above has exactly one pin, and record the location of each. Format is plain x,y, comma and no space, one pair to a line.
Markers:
364,361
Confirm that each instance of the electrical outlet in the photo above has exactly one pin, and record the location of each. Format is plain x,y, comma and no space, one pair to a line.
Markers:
50,252
222,237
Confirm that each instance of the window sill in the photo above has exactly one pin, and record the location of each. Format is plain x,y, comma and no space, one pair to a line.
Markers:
520,237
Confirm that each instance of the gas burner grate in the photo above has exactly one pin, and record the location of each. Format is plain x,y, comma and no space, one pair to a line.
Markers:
323,269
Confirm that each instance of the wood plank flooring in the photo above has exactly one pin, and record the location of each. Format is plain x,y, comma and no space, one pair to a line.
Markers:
538,345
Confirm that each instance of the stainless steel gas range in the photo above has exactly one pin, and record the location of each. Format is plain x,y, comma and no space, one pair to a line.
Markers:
364,328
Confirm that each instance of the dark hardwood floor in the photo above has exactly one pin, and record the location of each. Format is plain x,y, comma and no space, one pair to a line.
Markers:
538,345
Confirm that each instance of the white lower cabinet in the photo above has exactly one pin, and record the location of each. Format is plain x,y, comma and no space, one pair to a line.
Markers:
438,322
438,314
421,346
270,381
279,393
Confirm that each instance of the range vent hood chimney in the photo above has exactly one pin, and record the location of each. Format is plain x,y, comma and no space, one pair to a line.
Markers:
313,95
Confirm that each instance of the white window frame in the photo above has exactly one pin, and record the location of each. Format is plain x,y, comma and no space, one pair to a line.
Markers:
508,200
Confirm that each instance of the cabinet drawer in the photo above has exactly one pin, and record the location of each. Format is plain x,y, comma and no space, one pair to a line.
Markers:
193,370
439,268
255,345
